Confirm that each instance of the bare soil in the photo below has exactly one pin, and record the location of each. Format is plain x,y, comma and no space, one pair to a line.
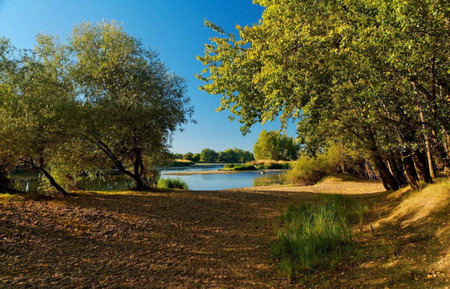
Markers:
176,239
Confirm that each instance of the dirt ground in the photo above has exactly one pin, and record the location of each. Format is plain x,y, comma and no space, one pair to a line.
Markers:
175,239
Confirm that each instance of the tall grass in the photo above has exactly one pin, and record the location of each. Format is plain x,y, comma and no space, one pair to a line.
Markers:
317,235
172,184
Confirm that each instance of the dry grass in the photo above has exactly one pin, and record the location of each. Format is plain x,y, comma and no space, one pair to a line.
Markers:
335,184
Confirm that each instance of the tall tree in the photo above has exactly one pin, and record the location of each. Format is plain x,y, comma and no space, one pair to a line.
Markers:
347,68
272,145
132,102
208,155
37,107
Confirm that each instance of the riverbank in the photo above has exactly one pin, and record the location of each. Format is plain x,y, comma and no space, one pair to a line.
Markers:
214,239
329,185
220,172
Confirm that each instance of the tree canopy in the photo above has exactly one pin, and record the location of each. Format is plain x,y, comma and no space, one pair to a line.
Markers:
99,101
272,145
374,73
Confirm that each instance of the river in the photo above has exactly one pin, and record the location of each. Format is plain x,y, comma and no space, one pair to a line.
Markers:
30,182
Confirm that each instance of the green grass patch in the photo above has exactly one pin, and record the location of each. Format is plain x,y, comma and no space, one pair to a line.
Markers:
239,167
172,184
317,235
181,163
244,167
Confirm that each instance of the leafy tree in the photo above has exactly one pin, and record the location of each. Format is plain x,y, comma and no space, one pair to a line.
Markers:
373,73
243,156
272,145
229,156
37,106
132,103
208,155
178,156
188,156
196,158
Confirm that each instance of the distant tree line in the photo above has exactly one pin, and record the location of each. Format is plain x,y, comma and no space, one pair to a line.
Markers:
99,101
208,155
373,75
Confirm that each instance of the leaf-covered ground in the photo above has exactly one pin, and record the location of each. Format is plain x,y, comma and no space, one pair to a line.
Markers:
179,239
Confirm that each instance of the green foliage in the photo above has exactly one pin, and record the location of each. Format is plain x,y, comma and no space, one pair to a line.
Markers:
239,167
272,145
172,184
181,163
99,101
317,235
132,102
370,73
244,167
277,166
178,156
228,156
208,155
309,170
38,109
195,158
188,156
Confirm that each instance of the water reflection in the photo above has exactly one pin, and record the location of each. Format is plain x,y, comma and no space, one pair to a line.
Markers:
31,181
269,179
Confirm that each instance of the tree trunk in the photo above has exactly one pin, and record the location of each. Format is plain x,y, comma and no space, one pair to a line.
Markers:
389,181
6,186
420,162
53,182
141,185
138,170
397,170
74,184
410,170
427,144
443,149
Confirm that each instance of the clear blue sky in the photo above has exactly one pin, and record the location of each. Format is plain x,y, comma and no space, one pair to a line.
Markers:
172,27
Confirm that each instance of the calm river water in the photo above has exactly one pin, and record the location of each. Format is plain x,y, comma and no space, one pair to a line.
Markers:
30,182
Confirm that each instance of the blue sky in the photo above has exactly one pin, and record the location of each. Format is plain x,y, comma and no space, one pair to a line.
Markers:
174,28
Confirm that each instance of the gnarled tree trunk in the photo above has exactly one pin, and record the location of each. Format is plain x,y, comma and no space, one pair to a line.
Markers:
422,168
410,170
6,186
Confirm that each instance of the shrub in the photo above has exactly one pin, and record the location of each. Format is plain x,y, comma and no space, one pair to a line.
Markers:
308,171
244,168
278,166
172,184
316,235
181,163
229,166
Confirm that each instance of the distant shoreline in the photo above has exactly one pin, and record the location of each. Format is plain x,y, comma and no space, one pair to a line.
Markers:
217,172
205,173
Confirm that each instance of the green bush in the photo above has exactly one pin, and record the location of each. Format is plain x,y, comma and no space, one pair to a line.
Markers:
172,184
237,167
277,166
316,235
181,163
308,171
244,168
